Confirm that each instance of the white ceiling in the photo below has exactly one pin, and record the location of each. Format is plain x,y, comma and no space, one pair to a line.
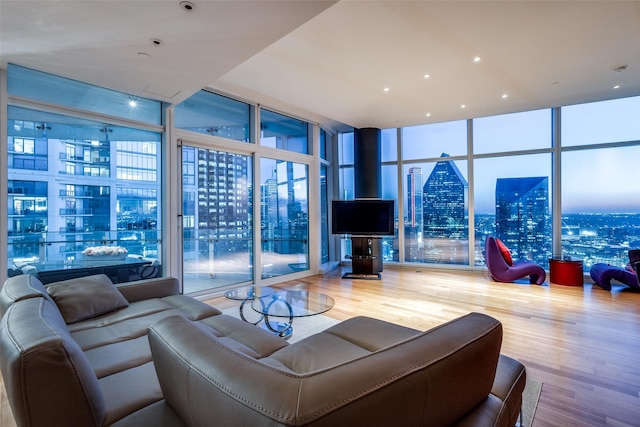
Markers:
330,62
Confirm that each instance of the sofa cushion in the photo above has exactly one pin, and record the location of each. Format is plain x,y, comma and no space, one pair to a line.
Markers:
128,391
86,297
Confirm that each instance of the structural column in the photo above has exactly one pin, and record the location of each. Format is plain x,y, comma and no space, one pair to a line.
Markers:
367,153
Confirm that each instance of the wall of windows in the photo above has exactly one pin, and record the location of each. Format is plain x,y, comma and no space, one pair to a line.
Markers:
495,175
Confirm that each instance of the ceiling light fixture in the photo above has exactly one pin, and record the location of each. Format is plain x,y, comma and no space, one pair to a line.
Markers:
143,55
616,87
386,89
187,5
505,96
463,106
477,59
428,115
426,76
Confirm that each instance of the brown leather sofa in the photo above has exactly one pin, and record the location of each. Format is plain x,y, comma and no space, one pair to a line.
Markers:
157,358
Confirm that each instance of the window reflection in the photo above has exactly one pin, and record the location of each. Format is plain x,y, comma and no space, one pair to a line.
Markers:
284,216
66,208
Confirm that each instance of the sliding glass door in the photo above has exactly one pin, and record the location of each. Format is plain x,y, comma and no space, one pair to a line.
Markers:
217,218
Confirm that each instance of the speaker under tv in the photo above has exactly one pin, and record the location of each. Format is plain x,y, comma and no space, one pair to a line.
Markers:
363,217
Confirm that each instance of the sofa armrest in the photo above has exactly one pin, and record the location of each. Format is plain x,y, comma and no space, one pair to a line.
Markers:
158,287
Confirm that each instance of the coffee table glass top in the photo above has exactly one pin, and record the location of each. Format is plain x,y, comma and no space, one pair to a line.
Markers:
292,304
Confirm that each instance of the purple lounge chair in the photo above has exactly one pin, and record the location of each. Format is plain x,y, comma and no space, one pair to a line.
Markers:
501,271
602,274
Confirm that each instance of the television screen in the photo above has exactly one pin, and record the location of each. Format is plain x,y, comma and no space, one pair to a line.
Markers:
366,217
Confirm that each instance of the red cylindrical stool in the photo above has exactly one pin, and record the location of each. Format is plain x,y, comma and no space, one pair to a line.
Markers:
566,272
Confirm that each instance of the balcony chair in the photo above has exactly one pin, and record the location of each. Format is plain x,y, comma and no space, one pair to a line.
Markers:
503,269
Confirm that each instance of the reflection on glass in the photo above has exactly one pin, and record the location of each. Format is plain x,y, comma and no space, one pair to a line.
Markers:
32,84
215,115
286,133
284,217
217,212
80,193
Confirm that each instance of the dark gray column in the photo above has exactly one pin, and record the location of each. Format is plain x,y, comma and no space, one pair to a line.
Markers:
367,153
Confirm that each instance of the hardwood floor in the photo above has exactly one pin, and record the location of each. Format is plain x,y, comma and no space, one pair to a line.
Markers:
583,343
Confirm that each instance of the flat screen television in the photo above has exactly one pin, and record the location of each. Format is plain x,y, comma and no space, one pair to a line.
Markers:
364,217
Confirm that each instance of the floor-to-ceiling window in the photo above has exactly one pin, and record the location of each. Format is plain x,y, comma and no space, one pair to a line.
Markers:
512,184
436,196
600,176
84,190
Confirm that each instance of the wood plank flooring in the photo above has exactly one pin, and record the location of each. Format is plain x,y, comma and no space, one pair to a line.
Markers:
583,343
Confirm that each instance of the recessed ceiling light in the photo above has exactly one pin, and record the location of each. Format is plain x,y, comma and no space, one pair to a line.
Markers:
426,76
156,42
505,96
616,87
144,55
187,5
477,59
386,89
428,115
463,106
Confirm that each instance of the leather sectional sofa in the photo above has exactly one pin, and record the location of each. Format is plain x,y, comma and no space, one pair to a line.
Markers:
76,353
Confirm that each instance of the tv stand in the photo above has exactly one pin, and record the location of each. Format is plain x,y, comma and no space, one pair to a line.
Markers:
366,259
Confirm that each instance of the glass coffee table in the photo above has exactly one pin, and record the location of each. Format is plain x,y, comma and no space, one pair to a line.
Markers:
286,306
248,293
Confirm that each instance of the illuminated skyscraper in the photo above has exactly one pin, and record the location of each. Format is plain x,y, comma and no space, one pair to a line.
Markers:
414,198
445,196
522,216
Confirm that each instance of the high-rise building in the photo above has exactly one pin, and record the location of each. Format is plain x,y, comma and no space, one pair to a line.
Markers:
72,188
223,198
414,198
445,195
522,217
